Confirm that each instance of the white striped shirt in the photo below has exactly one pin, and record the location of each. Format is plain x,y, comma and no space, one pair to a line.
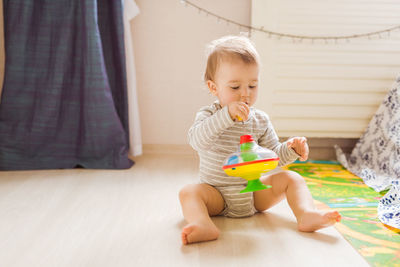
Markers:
214,135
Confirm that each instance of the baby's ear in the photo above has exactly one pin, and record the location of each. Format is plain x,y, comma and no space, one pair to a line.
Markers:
212,87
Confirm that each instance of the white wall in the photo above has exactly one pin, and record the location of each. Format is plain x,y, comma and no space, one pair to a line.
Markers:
169,42
316,90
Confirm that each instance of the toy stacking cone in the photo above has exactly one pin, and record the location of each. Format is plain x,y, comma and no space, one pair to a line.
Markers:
250,162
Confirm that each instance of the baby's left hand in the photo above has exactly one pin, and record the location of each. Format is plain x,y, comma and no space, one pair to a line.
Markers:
300,146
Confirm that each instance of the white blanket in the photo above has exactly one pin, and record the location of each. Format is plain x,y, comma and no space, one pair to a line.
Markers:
376,156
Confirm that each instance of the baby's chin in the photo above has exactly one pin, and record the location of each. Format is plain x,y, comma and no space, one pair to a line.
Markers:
246,102
225,104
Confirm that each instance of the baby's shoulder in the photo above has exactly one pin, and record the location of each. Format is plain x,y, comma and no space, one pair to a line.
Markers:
209,110
260,115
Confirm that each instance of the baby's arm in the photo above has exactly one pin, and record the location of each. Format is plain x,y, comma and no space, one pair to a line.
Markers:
270,140
208,126
299,144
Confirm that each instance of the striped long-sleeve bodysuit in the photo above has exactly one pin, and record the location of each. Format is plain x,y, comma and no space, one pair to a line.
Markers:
214,135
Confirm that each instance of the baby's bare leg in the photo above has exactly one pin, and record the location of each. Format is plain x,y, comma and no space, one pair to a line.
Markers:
293,186
199,202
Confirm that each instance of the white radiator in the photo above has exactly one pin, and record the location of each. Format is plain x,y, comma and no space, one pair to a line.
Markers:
325,89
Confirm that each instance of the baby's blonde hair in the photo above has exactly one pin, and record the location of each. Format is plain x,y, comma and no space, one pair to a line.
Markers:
229,47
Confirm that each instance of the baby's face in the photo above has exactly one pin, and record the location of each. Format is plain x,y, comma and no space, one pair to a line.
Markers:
235,81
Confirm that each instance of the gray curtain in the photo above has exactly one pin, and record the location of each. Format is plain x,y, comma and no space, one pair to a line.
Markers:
64,99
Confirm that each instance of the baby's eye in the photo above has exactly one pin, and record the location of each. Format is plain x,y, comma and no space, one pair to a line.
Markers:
235,87
252,86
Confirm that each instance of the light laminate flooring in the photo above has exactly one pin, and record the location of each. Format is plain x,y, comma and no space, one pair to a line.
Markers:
132,218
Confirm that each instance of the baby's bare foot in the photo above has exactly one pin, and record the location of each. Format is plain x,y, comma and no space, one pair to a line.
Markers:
314,220
197,232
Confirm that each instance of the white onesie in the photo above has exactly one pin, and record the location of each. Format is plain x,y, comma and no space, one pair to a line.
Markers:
214,135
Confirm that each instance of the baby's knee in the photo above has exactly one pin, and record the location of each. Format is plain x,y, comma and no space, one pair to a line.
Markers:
294,177
184,191
189,191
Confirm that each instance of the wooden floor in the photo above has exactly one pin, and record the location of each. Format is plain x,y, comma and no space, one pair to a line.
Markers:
132,218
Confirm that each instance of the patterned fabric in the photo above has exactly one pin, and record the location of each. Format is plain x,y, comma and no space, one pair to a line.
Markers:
376,156
389,206
64,97
214,135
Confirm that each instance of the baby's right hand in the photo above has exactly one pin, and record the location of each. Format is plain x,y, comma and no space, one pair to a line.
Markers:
238,110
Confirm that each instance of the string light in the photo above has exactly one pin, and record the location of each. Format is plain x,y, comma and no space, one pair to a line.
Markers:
293,37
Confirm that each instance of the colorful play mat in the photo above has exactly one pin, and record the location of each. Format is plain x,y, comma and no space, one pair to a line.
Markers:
332,186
